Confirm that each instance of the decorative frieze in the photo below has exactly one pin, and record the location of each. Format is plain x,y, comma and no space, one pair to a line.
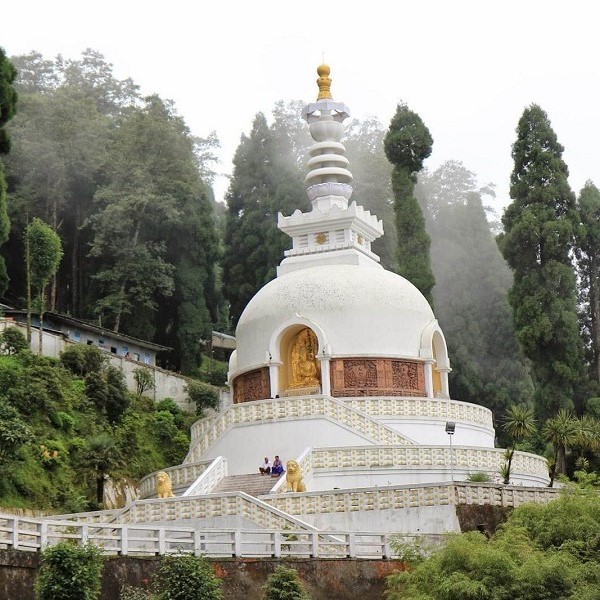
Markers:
253,385
353,377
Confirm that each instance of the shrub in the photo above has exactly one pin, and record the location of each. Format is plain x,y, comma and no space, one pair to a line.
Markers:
479,477
12,341
81,359
186,577
143,380
69,572
203,395
129,592
284,584
14,432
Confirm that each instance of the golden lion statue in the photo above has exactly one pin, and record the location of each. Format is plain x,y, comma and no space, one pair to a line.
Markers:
163,485
293,477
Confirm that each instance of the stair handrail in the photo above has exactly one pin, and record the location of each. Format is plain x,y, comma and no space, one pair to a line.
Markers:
209,478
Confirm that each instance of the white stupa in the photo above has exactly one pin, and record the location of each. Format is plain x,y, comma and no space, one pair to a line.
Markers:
341,366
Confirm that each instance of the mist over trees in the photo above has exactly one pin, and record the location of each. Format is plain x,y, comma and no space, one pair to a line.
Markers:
470,295
147,251
122,181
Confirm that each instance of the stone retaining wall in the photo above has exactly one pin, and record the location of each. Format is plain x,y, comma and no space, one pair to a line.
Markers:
242,578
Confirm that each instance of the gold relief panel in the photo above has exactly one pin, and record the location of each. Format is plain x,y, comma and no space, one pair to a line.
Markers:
377,377
254,385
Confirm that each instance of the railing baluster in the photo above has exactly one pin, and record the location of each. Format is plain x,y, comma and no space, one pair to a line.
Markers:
237,543
277,544
314,542
124,540
351,545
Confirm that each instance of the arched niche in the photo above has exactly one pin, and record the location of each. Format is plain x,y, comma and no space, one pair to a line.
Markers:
434,350
300,370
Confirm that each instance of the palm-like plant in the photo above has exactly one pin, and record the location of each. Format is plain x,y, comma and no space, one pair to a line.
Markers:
519,423
562,431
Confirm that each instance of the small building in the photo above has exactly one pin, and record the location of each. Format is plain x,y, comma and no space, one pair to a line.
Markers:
83,332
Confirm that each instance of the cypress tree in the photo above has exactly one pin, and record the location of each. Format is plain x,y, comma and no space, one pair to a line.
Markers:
263,184
588,263
8,106
540,225
407,144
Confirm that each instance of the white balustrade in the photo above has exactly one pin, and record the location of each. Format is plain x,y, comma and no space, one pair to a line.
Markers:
206,431
181,476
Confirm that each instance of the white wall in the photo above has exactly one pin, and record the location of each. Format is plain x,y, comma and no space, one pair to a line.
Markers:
432,432
245,446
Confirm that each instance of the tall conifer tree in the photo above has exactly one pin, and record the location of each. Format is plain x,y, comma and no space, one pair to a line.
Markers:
8,106
407,144
540,226
588,262
262,185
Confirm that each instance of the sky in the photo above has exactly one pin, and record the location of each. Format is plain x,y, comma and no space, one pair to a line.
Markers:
468,68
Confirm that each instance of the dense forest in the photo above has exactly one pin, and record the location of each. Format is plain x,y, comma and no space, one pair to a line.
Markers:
148,252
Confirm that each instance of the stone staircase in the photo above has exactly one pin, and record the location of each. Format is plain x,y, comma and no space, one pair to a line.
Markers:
253,484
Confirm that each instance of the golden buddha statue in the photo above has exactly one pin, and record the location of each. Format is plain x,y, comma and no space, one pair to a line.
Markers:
306,370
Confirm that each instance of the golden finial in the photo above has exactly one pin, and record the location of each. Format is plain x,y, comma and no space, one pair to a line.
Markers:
324,82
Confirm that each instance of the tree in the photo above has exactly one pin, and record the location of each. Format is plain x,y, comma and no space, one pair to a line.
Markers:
69,572
8,106
471,291
187,577
518,424
588,263
407,144
102,456
262,186
372,186
540,225
284,584
561,431
43,253
14,432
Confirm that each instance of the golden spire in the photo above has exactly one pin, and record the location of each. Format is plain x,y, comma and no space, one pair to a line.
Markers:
324,82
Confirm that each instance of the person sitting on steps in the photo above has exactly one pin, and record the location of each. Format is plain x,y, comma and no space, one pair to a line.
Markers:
265,467
277,469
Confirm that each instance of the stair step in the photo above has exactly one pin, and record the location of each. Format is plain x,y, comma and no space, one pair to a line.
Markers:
254,484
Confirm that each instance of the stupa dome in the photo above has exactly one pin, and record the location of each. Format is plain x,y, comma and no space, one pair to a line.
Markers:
353,310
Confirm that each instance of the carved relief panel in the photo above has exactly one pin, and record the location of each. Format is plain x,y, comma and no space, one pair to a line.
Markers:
254,385
376,377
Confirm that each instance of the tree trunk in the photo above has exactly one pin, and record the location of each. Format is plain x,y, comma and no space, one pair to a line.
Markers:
595,314
134,241
41,328
28,276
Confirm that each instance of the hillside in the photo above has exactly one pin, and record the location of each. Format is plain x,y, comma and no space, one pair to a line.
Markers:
65,424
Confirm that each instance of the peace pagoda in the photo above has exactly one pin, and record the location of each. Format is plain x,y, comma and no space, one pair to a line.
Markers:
341,369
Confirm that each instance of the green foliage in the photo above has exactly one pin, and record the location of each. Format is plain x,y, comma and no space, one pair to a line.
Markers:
107,390
45,251
8,107
540,226
82,359
543,552
202,395
479,477
12,341
407,144
69,572
186,577
71,444
519,424
284,584
143,380
561,431
14,432
132,593
372,186
588,270
262,186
